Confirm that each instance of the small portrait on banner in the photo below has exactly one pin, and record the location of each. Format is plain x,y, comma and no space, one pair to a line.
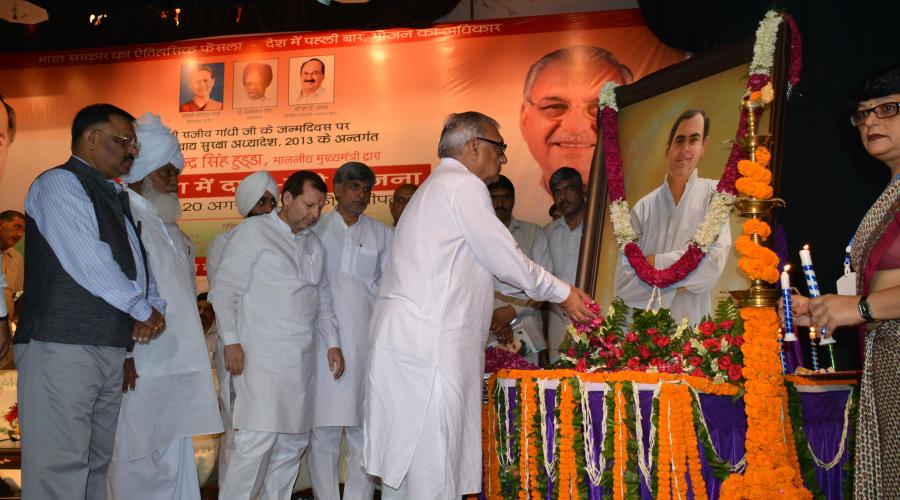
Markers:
312,80
202,87
255,84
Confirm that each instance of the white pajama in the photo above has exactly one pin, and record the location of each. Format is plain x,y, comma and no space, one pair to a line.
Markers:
249,459
165,474
324,457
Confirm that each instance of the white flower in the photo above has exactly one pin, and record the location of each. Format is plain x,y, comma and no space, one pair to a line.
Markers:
764,47
681,328
717,213
620,215
607,98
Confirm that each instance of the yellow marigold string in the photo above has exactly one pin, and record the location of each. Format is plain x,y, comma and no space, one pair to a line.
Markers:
493,468
698,485
568,467
701,384
763,156
757,226
534,446
619,446
664,462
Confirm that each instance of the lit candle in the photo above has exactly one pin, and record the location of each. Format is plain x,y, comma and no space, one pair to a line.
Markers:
813,285
814,348
788,311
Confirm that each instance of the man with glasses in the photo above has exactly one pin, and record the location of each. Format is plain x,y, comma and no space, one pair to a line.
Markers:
357,247
422,424
558,116
666,220
90,297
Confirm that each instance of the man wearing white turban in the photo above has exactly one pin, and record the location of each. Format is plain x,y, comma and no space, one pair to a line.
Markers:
174,399
257,194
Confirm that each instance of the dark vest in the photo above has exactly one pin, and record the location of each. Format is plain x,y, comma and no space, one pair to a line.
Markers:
57,309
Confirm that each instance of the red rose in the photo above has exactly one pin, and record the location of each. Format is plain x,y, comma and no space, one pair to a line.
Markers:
697,372
611,338
687,349
657,362
726,325
674,368
571,352
712,345
651,331
631,337
581,365
738,341
661,340
610,362
644,351
735,372
725,362
634,364
696,360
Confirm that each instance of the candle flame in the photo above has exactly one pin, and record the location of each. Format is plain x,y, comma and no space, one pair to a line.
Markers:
787,267
806,247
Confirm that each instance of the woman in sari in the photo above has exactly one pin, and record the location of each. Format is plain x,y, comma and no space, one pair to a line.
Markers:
875,256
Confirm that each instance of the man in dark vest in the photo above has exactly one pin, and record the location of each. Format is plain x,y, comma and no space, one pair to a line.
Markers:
90,298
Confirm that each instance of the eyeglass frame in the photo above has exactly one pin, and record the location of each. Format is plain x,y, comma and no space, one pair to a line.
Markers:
501,146
585,109
866,112
125,142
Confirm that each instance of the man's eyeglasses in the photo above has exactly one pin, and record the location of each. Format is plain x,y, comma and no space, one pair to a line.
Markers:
556,110
125,142
501,146
882,111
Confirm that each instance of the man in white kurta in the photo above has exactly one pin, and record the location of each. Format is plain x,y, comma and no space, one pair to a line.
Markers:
274,304
512,308
172,398
564,236
357,247
667,218
257,194
422,422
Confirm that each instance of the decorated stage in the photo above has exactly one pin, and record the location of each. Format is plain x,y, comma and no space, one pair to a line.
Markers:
606,434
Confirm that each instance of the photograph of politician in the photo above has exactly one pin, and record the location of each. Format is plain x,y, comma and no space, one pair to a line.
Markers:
202,87
311,80
558,114
675,132
255,84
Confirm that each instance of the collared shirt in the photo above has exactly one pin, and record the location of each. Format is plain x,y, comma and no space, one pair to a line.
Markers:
321,95
65,217
14,270
565,245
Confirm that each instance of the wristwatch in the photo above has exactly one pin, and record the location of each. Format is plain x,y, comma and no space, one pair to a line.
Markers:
864,310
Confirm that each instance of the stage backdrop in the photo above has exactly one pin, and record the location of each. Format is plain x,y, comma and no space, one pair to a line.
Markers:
380,98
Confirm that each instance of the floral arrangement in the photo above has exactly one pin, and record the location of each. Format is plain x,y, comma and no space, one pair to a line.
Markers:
655,343
12,419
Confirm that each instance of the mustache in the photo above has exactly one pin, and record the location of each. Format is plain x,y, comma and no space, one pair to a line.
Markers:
309,81
128,158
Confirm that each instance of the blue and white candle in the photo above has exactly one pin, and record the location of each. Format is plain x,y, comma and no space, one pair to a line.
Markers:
788,311
813,285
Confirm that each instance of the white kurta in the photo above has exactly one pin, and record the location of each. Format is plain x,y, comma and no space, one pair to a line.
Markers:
271,295
174,396
664,230
429,329
356,258
565,247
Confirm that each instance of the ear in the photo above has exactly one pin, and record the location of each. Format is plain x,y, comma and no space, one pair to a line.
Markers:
286,198
523,117
705,143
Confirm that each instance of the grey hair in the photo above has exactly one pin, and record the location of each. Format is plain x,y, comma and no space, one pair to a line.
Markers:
459,128
354,171
568,55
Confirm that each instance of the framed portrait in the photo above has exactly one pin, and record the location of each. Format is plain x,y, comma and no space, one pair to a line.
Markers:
311,80
202,87
648,112
255,84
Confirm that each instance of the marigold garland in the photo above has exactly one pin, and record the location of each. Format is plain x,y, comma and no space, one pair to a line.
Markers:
492,481
698,485
619,445
568,470
526,405
664,453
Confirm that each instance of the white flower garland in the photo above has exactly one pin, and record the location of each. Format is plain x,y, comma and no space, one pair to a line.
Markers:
594,472
503,457
764,47
607,97
742,463
840,453
645,461
620,215
717,213
549,466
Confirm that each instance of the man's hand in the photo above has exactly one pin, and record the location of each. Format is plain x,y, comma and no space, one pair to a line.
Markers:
336,362
832,311
143,332
129,375
4,337
234,359
574,306
500,321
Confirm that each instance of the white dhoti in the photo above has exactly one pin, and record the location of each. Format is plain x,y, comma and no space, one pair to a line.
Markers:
165,474
324,457
249,460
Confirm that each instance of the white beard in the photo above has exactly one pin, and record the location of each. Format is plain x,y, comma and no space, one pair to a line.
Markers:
167,205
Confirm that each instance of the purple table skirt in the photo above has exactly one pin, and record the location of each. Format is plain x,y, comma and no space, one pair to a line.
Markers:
823,421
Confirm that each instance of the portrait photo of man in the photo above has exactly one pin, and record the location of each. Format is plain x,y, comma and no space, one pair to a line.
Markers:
253,84
201,87
312,80
558,114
